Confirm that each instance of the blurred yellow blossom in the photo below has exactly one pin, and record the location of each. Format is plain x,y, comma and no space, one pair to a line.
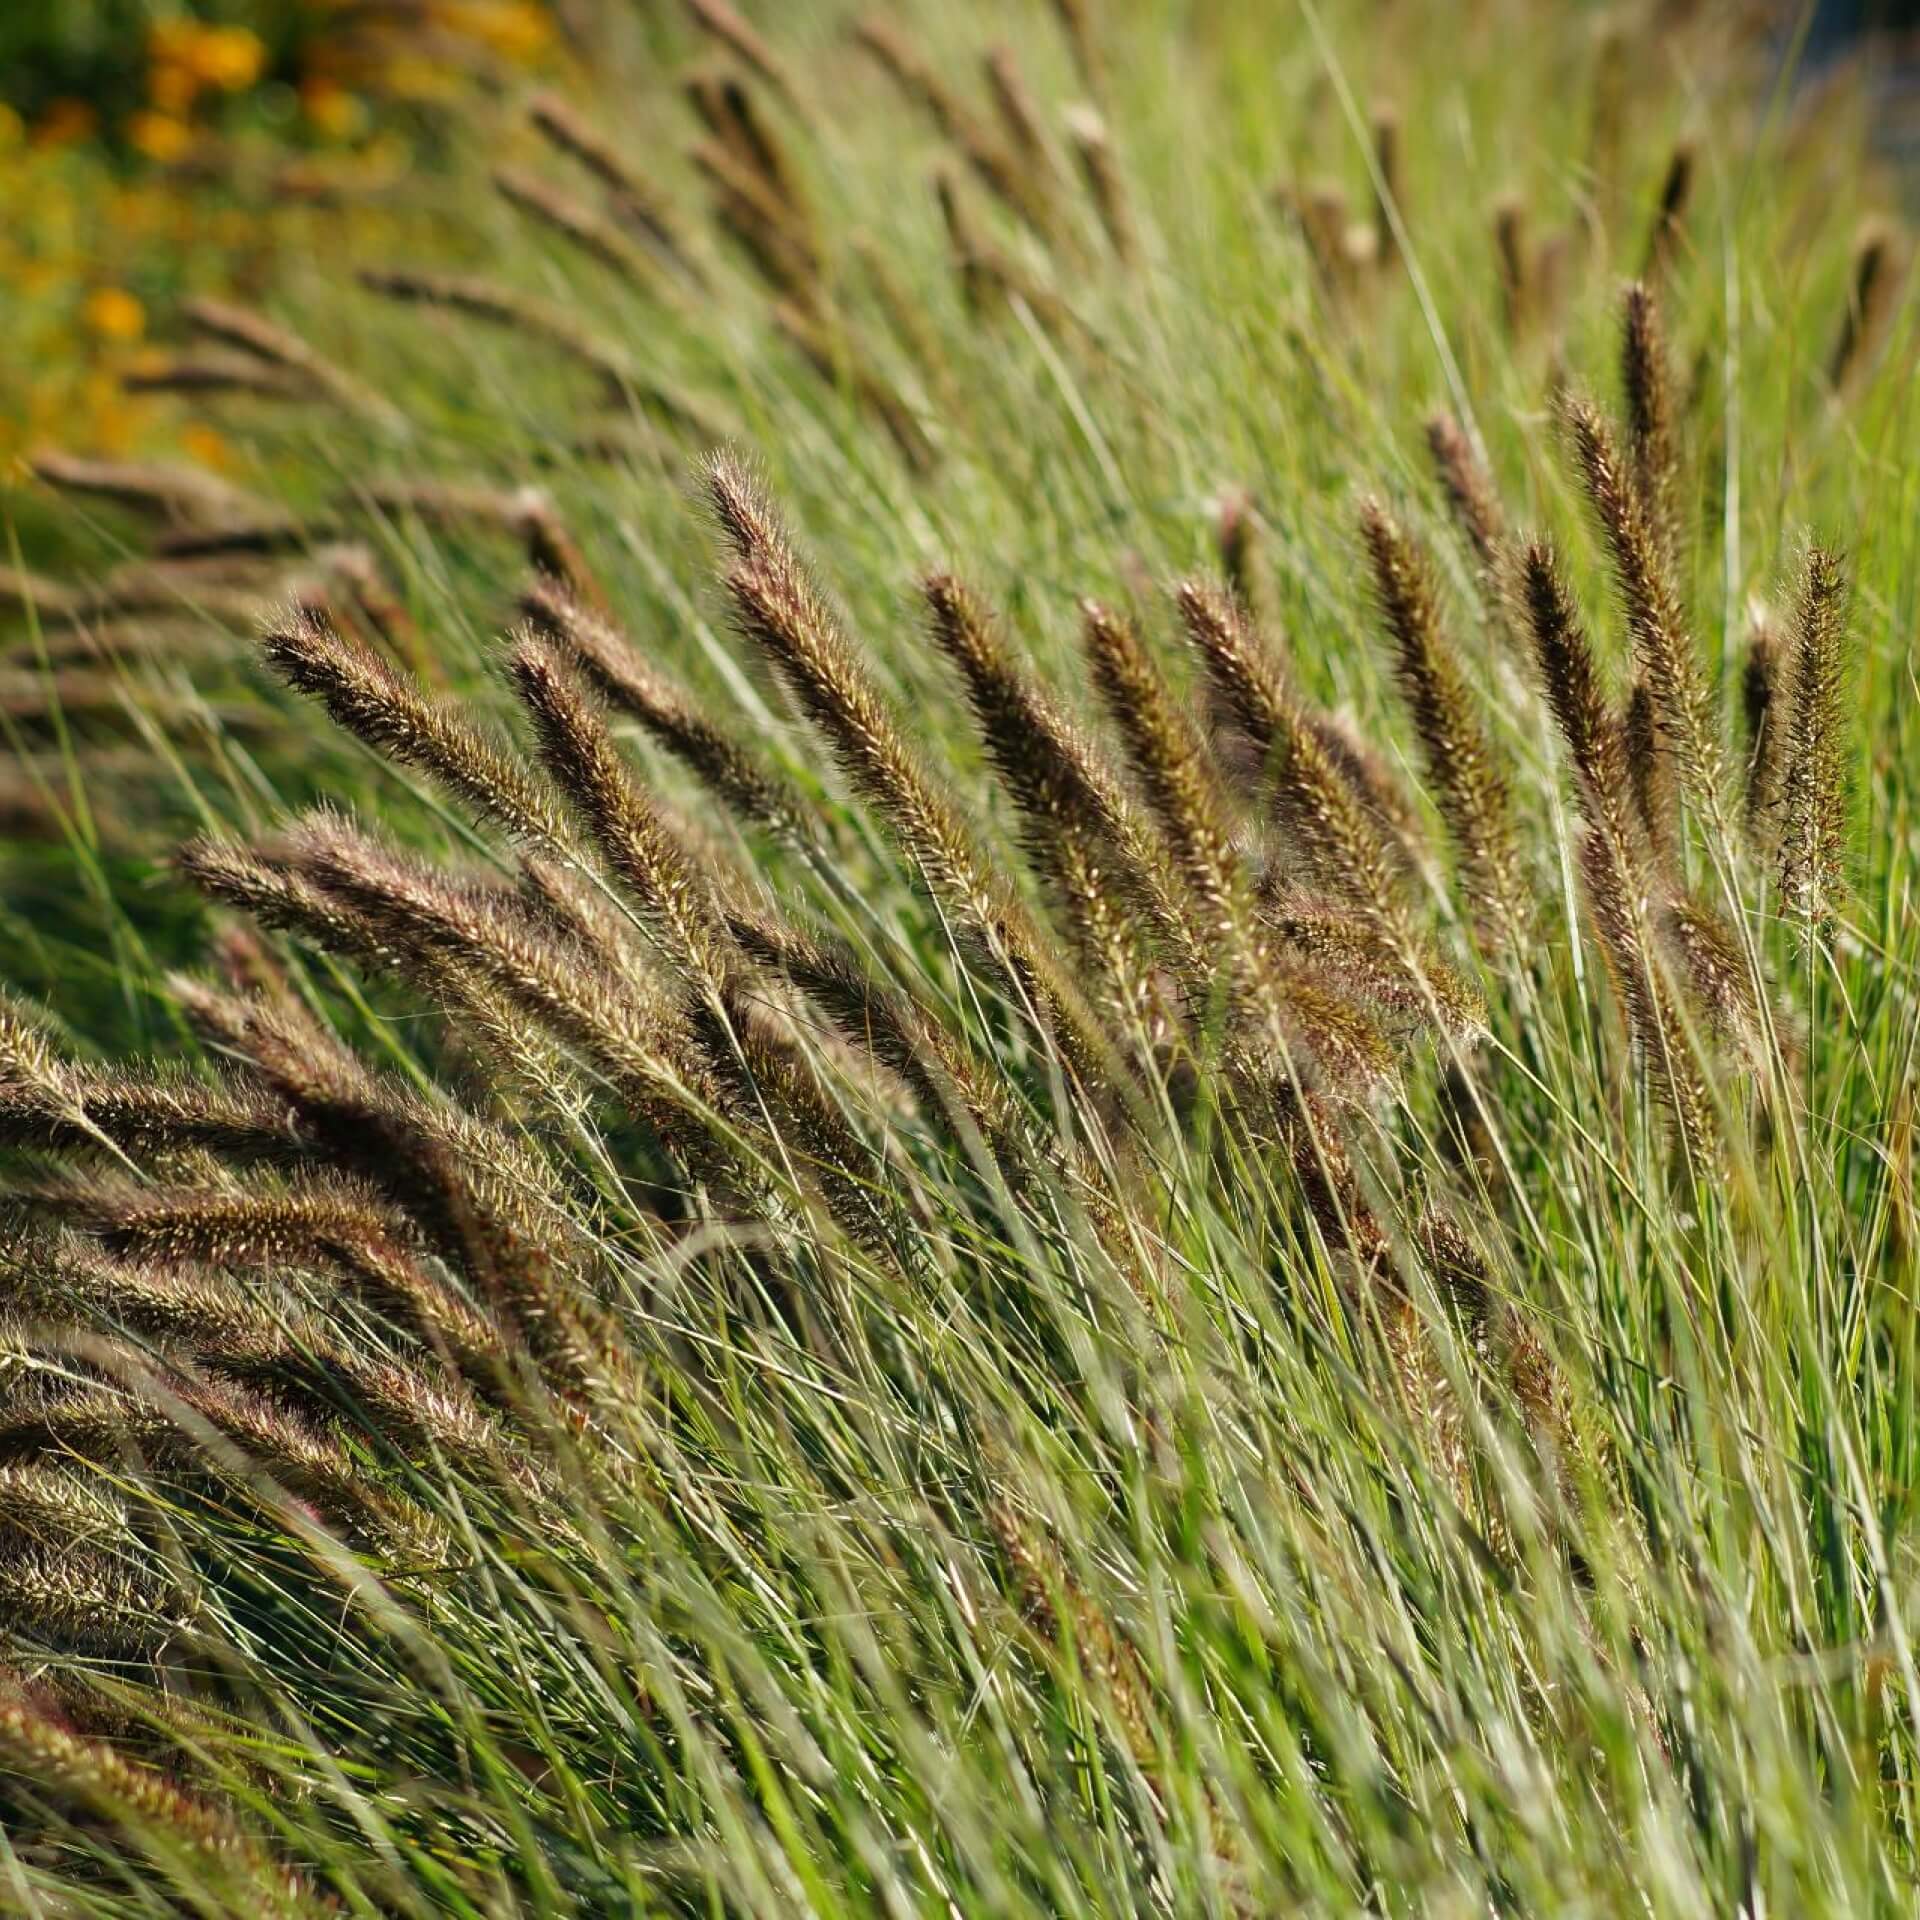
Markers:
332,110
171,87
193,55
12,128
203,443
411,76
114,314
231,58
515,29
173,40
159,135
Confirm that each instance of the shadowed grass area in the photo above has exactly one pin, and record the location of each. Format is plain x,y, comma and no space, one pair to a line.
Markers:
1039,1030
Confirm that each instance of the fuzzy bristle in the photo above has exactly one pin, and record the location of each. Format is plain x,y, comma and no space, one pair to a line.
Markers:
1663,645
1813,775
1471,789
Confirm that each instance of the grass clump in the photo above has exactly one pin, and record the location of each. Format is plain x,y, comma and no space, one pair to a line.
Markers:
991,1102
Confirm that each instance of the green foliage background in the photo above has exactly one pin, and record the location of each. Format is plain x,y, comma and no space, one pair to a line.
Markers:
765,1653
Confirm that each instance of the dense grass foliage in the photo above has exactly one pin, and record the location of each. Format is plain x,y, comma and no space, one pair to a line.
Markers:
995,995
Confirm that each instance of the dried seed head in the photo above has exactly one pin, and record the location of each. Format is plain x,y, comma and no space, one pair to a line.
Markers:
1471,790
1169,761
998,171
775,240
1515,267
1662,645
266,340
178,495
1019,117
560,213
631,838
1389,197
214,373
1352,954
1235,532
1647,770
1670,214
1813,776
727,109
1057,778
1647,391
375,703
1471,495
1763,704
1617,911
625,680
1100,167
1098,859
1331,831
724,22
1707,958
1083,42
495,304
1872,293
783,615
636,205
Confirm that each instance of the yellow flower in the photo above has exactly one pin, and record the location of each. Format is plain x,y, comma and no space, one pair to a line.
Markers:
334,111
515,29
231,58
409,76
12,128
201,442
114,314
159,136
172,87
174,40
